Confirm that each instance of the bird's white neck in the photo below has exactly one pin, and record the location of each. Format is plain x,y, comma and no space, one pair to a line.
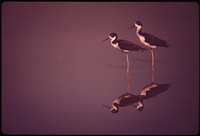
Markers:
142,38
140,104
112,38
114,107
138,30
115,45
138,33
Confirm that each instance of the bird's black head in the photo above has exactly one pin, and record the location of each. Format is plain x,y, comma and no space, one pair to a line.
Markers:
138,23
113,35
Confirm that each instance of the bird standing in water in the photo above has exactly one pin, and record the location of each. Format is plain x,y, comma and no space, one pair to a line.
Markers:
124,46
149,41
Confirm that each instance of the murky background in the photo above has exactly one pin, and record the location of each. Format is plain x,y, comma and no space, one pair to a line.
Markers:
56,74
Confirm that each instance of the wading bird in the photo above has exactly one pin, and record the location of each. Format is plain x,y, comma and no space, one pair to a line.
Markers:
149,41
124,46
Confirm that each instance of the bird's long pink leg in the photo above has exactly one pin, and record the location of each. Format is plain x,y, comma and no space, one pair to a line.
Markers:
127,62
128,82
152,64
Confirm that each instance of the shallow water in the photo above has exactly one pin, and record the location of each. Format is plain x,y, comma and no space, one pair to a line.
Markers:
56,74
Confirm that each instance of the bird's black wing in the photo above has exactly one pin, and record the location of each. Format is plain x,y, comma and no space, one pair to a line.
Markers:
126,45
157,90
153,40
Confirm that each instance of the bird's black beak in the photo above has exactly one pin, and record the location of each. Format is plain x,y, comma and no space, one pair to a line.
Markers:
106,106
105,39
131,27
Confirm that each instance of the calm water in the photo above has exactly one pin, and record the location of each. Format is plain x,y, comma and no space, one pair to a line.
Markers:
56,74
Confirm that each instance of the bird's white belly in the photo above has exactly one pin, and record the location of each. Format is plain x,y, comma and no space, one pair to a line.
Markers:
126,51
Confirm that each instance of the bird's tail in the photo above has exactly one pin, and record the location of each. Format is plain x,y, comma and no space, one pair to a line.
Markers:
167,45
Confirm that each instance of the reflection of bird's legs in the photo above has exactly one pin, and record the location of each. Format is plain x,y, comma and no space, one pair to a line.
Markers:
152,64
127,62
128,82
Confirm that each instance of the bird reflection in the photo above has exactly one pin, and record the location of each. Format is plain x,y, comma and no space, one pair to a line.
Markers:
128,99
